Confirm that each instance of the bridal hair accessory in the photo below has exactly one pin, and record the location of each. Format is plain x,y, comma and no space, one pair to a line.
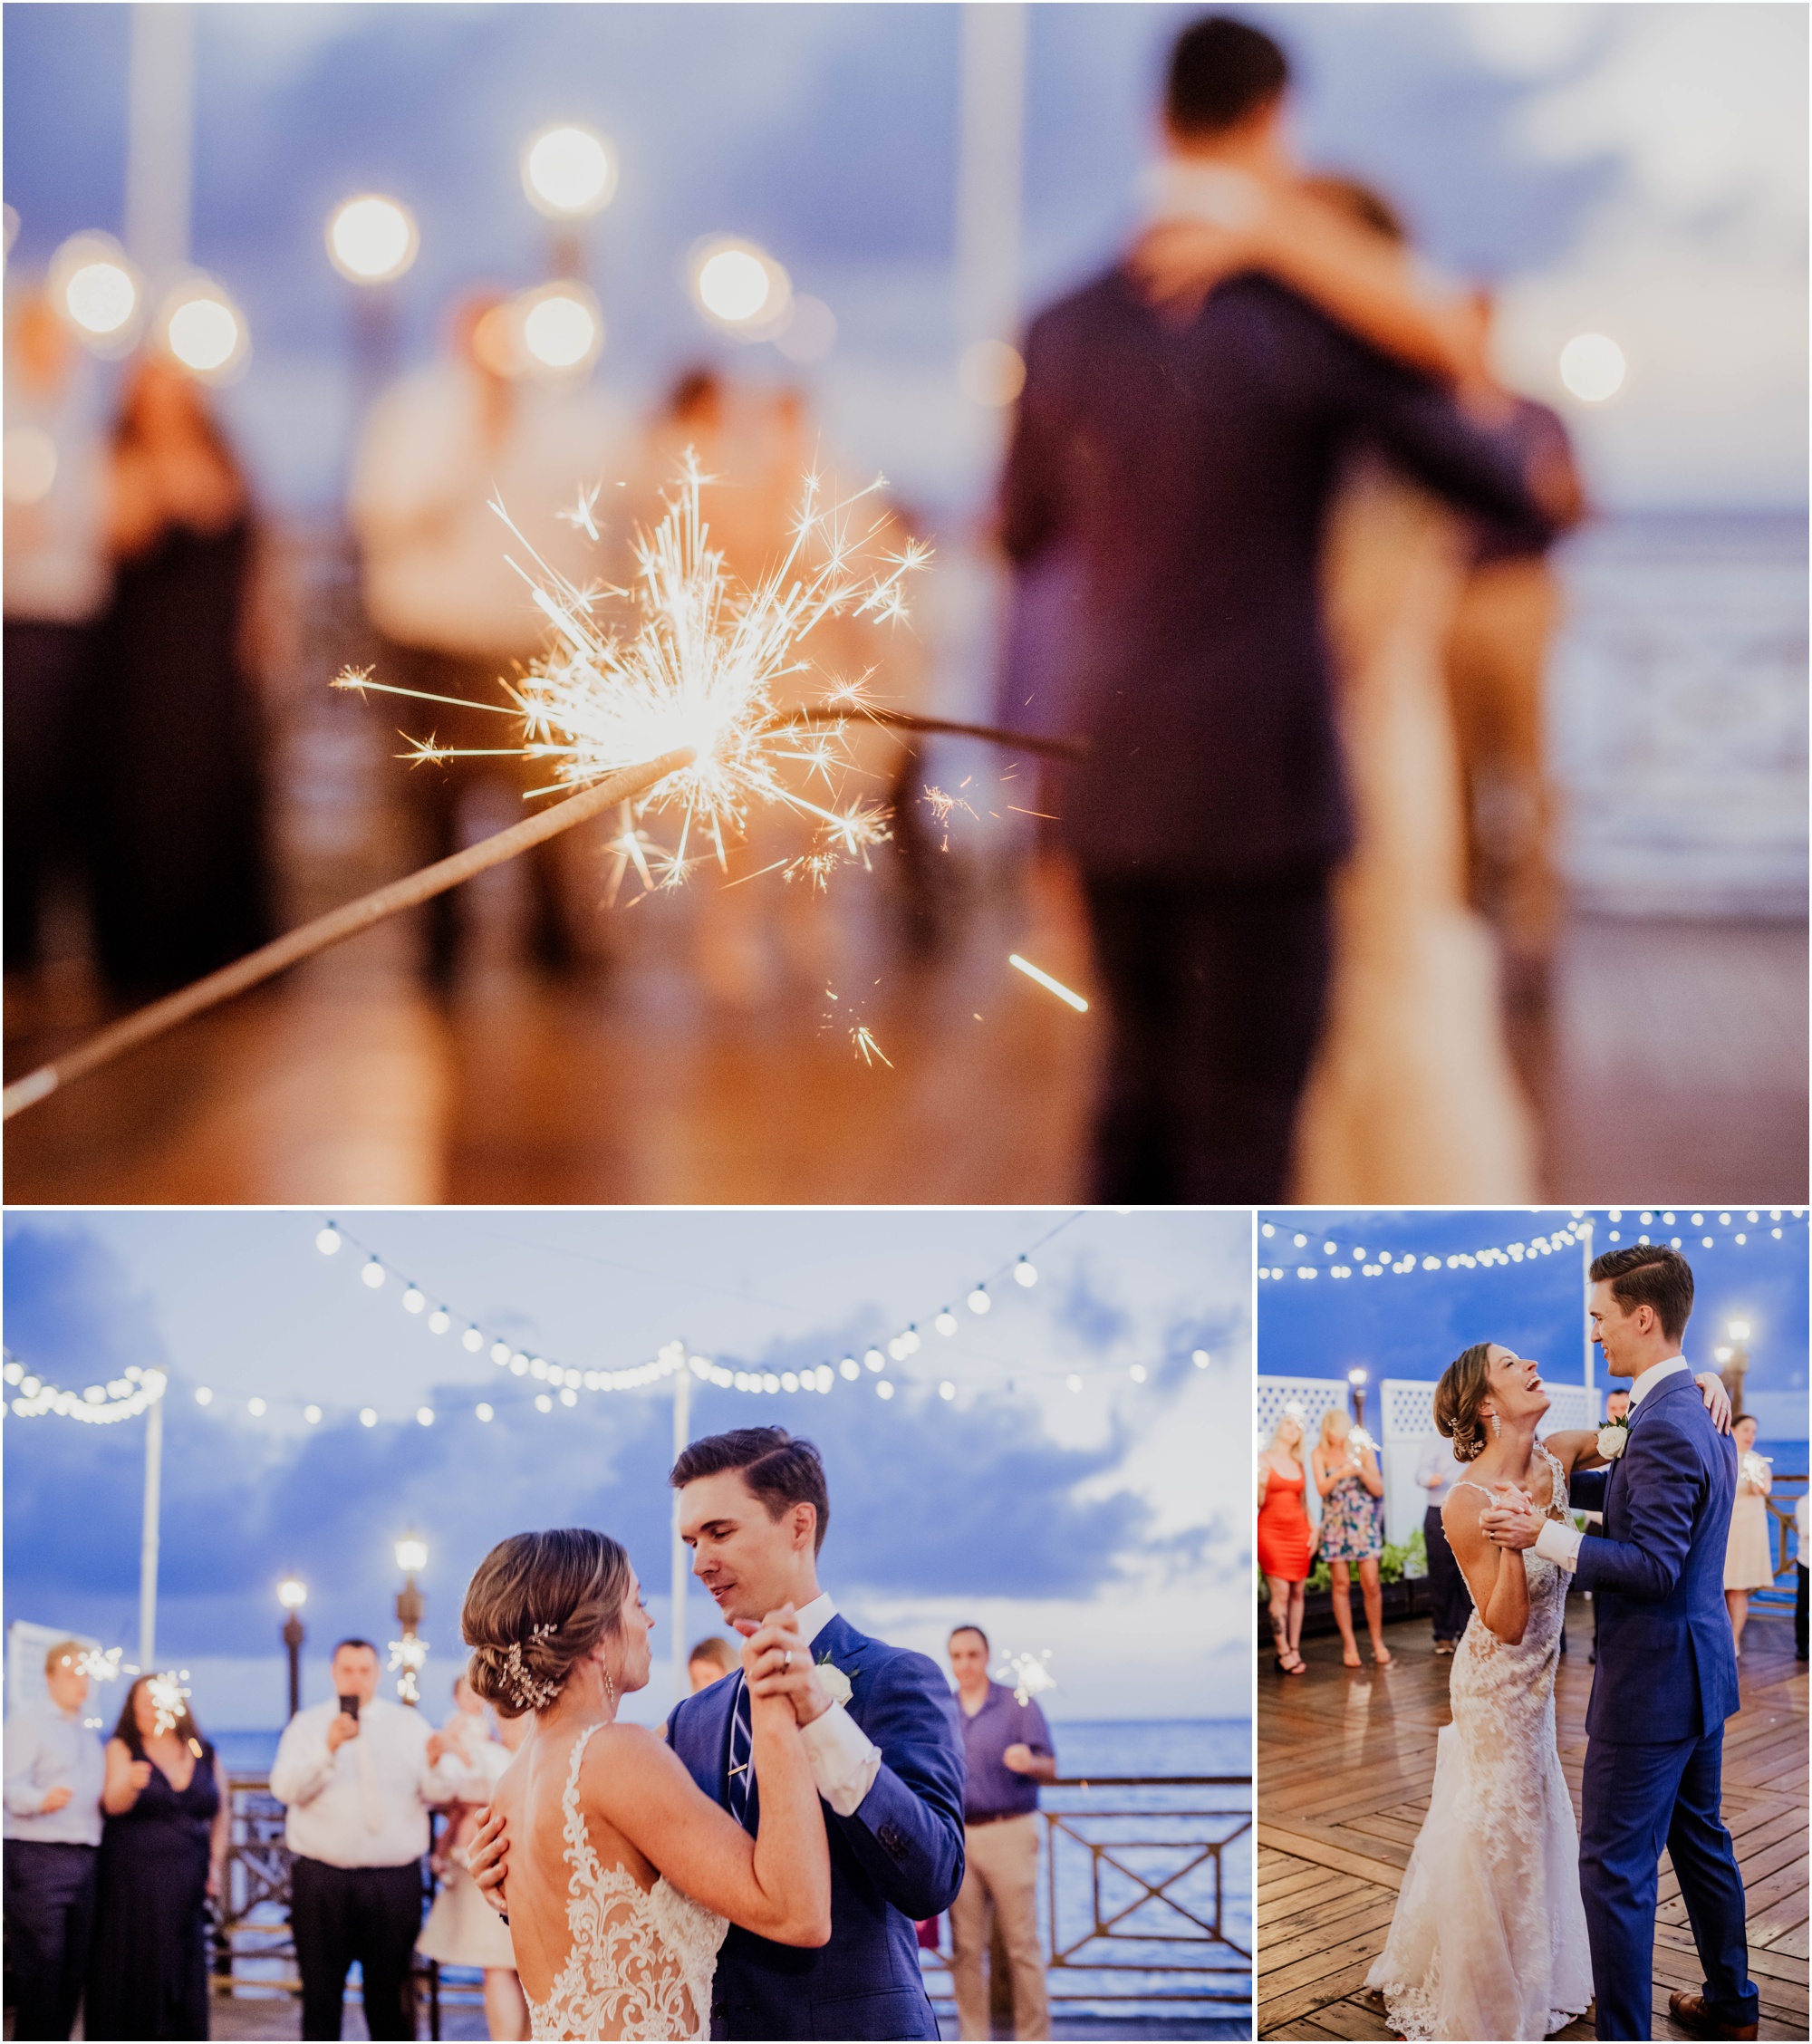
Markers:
528,1692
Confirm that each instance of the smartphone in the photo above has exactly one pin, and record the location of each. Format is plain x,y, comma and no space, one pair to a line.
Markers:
349,1707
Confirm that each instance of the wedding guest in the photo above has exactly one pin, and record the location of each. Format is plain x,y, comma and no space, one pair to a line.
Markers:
1437,1472
1351,1487
452,614
461,1929
54,1773
176,799
56,580
359,1774
1749,1557
710,1661
1801,1572
1008,1747
1183,467
1286,1541
163,1853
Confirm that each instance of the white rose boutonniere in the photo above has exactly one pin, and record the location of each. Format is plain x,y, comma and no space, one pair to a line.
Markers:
837,1685
1612,1439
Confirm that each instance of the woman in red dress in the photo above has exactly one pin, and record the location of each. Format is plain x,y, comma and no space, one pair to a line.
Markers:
1286,1539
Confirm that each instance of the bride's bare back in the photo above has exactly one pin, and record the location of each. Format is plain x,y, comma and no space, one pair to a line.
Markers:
606,1945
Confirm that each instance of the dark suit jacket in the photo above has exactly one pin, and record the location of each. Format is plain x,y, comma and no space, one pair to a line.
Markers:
1667,1668
897,1859
1180,473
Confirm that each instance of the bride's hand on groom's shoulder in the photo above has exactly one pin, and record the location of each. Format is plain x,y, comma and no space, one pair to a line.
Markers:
777,1666
487,1859
1717,1398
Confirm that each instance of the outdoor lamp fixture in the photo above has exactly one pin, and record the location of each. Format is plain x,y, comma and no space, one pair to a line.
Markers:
409,1653
1733,1363
739,288
559,329
200,327
1356,1378
371,239
292,1594
570,173
98,291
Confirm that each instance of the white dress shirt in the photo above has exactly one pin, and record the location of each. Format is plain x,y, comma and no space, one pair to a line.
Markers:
1439,1469
49,1749
844,1758
367,1804
1560,1543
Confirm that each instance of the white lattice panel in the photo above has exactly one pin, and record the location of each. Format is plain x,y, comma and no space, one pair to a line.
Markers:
1315,1395
1571,1405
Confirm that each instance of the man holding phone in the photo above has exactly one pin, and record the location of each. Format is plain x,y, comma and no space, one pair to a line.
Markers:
359,1775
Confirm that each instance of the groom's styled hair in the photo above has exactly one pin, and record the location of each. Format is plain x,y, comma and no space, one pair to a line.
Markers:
780,1471
1221,71
1646,1274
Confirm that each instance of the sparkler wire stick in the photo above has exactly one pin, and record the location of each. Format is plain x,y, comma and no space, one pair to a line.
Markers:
334,928
941,726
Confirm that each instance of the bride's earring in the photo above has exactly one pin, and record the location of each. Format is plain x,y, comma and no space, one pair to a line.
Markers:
1497,1426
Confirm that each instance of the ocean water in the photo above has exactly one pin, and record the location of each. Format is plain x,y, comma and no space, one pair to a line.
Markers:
1105,1842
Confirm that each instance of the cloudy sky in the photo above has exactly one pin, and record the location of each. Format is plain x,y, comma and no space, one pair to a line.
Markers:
1413,1326
1106,1523
1638,169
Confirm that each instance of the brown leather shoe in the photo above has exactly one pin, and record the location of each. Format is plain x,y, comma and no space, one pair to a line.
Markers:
1689,2011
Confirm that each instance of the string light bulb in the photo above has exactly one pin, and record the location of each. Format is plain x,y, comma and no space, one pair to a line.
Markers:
946,1322
1026,1273
978,1301
328,1240
373,1274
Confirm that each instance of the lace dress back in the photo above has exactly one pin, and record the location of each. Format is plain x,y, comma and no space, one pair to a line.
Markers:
1488,1938
643,1959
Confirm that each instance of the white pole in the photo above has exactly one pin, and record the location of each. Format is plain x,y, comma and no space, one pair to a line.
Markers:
148,1538
160,136
991,120
1585,1287
682,1560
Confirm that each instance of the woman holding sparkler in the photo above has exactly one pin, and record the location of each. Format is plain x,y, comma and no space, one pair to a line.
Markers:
1748,1561
163,1853
1352,1487
177,836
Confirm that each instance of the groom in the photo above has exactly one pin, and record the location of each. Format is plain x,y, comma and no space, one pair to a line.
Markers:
1666,1675
888,1765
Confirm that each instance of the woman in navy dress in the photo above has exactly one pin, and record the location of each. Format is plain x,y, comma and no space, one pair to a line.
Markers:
163,1852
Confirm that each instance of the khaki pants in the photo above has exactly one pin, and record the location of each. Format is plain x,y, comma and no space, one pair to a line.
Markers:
1001,1881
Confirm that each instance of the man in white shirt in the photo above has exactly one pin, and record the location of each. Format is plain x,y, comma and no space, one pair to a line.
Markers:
54,1771
454,616
360,1775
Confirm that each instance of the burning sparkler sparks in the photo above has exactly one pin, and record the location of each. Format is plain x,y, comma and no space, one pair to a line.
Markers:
169,1692
1030,1674
1045,980
98,1666
866,1048
690,658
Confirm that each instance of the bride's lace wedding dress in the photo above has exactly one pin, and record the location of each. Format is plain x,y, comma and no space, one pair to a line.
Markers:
1488,1938
642,1959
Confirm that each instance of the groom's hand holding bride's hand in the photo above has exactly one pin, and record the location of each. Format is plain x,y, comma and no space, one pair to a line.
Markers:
1511,1518
488,1860
776,1662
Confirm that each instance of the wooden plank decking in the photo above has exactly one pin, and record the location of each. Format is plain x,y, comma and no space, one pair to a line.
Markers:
1345,1763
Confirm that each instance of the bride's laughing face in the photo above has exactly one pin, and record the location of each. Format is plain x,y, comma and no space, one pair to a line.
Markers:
1517,1389
635,1650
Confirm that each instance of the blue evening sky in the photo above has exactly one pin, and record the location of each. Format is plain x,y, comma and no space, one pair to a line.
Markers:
1413,1325
1636,169
1107,1523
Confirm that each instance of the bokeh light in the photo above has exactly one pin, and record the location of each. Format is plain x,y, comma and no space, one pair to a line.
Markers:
98,290
991,373
568,172
811,333
371,239
561,327
740,288
1592,368
204,330
30,463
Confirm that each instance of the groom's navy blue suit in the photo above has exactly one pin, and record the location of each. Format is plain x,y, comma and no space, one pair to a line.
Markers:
897,1859
1665,1681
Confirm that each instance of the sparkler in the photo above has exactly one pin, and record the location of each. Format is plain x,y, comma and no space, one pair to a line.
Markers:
410,1655
169,1692
1045,979
1029,1673
98,1666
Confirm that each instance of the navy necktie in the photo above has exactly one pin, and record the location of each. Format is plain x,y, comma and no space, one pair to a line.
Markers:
742,1755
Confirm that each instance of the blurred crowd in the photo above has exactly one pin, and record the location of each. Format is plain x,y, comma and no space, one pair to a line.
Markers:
1277,544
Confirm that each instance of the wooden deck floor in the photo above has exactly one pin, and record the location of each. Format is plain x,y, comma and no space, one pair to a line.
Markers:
1346,1763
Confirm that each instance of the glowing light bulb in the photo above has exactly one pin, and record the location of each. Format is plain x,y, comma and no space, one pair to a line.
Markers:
472,1341
1592,368
203,1396
875,1359
500,1353
1137,1372
883,1389
789,1380
978,1301
485,1413
849,1369
1025,1273
1074,1382
440,1320
568,172
424,1415
946,1390
367,1416
413,1299
371,239
373,1274
733,285
562,326
329,1241
98,290
203,330
292,1592
946,1322
411,1554
825,1376
312,1413
255,1407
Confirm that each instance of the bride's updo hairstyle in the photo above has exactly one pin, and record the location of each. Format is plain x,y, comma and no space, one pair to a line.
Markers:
537,1607
1464,1385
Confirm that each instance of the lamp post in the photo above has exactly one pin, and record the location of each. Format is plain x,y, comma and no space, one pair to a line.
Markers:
292,1594
1733,1363
1356,1378
569,173
372,241
409,1653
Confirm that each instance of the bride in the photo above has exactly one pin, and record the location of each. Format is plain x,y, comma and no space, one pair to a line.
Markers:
626,1875
1489,1938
